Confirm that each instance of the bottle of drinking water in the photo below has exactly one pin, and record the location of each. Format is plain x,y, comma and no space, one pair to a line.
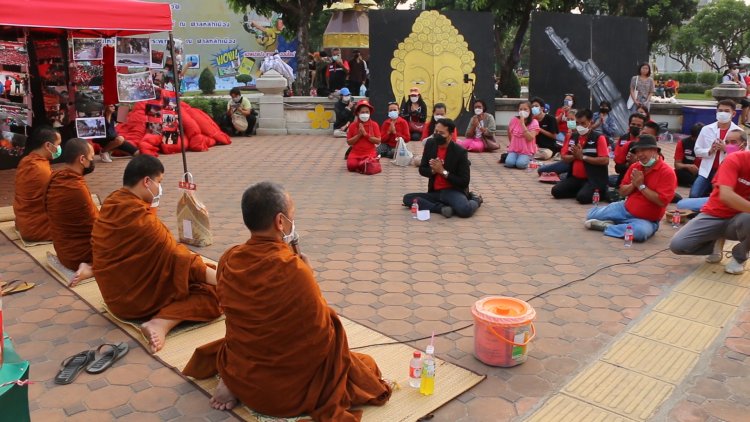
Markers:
595,198
628,236
414,208
415,370
676,217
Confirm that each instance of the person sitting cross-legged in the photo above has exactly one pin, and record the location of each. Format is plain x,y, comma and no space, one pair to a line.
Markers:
285,352
393,129
448,167
68,195
588,154
726,215
648,186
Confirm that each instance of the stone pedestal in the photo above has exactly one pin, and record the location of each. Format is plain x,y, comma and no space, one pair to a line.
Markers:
271,120
729,90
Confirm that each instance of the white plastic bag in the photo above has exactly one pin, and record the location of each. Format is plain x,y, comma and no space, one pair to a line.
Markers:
403,156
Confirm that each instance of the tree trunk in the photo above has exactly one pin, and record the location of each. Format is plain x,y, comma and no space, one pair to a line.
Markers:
302,83
514,55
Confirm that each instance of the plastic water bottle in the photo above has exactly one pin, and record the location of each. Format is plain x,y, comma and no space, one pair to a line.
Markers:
415,370
427,383
628,236
532,165
676,217
596,197
414,208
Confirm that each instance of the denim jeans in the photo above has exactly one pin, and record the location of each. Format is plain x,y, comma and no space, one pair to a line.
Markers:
616,212
558,167
435,201
517,160
693,204
702,186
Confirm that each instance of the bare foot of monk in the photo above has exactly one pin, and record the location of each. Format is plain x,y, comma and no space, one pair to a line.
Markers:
84,271
223,399
156,331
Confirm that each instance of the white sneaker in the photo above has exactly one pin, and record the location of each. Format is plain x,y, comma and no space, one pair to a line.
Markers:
734,267
106,158
718,252
599,225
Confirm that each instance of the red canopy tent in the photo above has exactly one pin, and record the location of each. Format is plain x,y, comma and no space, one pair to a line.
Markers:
106,18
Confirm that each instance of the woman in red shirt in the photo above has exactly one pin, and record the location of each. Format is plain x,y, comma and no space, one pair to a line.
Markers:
569,102
394,127
363,135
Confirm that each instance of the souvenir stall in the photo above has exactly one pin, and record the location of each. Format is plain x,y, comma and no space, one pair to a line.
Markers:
70,59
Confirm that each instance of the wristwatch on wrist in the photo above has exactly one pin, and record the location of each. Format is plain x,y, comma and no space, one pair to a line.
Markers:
642,187
445,173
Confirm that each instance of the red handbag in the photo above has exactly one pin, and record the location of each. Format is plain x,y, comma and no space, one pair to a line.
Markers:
370,165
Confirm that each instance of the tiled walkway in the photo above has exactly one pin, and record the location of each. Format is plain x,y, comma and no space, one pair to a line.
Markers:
404,278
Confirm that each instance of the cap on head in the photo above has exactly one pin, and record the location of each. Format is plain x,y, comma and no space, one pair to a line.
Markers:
345,91
414,91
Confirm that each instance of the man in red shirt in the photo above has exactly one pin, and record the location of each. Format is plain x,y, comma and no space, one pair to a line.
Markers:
393,129
726,215
622,145
648,185
447,166
588,154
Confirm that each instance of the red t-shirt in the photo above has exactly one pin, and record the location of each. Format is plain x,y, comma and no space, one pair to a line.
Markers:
402,130
7,85
722,135
735,173
660,179
363,148
602,150
440,181
562,125
679,154
621,149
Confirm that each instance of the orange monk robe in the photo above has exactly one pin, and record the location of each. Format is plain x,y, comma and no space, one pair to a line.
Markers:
32,176
285,352
142,271
71,213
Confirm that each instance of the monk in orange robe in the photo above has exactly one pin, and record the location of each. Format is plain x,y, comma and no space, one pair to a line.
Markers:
71,210
32,176
285,352
141,270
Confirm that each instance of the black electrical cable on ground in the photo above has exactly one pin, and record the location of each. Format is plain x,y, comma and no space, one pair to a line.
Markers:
536,296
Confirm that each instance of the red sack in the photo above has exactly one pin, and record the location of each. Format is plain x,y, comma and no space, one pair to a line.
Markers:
370,165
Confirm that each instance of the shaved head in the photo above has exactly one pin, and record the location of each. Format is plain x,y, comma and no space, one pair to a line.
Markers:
74,149
261,203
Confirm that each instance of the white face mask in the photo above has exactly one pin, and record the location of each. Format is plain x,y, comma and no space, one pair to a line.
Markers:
523,114
335,58
478,111
582,130
414,98
236,99
287,238
156,198
723,116
364,116
438,117
393,114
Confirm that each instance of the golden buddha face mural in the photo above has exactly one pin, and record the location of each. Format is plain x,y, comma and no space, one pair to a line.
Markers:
434,58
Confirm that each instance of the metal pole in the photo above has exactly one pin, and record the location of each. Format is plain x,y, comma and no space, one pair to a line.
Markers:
176,77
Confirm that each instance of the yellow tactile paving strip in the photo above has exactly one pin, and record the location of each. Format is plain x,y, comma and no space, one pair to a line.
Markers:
642,368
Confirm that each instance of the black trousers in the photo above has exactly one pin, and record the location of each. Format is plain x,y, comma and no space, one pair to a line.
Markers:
685,178
580,189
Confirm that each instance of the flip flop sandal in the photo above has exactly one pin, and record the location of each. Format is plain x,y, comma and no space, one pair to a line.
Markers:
72,366
18,289
108,358
8,284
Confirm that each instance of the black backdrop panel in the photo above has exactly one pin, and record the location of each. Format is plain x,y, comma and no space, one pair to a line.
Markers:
615,44
389,28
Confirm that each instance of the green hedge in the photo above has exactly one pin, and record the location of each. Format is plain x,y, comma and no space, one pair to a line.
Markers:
705,78
214,107
694,88
524,81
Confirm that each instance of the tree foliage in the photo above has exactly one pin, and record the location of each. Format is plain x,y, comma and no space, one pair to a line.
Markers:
207,81
662,15
722,25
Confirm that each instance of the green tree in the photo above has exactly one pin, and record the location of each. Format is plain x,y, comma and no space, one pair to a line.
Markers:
207,81
723,26
662,15
681,46
243,78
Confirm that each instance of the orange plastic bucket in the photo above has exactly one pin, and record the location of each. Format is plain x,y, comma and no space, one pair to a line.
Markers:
503,328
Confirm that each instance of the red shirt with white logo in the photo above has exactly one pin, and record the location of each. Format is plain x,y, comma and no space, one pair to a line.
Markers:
598,148
735,173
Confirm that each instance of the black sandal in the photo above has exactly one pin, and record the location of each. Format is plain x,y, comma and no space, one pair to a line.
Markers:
72,366
108,358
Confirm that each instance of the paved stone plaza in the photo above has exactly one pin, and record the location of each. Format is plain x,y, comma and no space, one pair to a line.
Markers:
404,278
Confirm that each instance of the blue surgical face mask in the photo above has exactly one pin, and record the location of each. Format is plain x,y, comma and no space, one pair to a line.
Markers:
650,163
535,111
393,114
